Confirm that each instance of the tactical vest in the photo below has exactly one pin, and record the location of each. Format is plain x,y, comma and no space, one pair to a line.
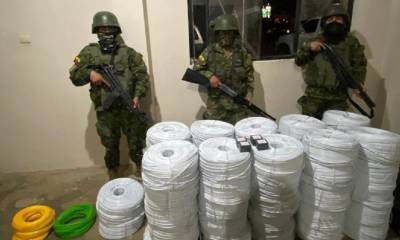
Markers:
230,69
321,78
122,69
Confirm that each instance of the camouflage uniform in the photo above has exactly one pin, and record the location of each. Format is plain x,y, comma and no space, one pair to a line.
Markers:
324,91
234,69
131,71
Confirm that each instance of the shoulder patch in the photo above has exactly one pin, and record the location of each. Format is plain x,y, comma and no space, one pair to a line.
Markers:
77,60
201,58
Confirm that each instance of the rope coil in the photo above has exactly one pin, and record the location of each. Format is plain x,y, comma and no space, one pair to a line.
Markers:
170,179
326,183
375,179
75,221
344,120
297,125
275,182
202,130
255,126
34,222
224,190
120,208
167,131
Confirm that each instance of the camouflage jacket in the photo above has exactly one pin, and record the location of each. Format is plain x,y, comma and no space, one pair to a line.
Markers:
130,70
318,73
235,70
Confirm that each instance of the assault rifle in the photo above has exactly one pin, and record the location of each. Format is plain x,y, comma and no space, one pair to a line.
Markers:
107,72
347,80
197,78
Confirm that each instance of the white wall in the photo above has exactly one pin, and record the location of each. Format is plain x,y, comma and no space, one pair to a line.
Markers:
376,25
47,123
391,70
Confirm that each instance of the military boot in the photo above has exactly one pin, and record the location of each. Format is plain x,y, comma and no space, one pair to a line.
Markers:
138,171
113,173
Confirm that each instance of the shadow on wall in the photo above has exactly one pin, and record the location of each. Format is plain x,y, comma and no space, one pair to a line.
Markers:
203,95
258,99
376,88
92,140
259,95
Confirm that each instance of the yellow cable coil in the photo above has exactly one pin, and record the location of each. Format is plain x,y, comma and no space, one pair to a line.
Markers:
33,223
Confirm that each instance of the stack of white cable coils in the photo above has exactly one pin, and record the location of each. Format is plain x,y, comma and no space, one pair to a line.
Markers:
224,190
146,234
344,120
167,131
297,125
375,180
255,126
120,208
275,182
170,179
326,183
202,130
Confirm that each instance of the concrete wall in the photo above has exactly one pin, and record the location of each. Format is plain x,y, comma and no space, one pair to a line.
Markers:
49,124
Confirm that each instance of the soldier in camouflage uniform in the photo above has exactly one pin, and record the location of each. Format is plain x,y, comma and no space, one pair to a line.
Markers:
324,91
229,62
131,71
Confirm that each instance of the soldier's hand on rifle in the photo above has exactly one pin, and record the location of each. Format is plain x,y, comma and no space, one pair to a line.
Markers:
215,82
248,98
316,46
357,92
96,78
136,102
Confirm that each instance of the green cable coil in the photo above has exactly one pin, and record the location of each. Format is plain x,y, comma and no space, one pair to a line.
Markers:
75,221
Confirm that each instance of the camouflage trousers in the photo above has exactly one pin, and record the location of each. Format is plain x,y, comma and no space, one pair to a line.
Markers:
316,107
231,115
109,126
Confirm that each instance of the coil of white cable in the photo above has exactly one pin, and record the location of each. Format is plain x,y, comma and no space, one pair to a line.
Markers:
202,130
120,208
297,125
375,179
255,126
167,131
344,120
319,224
146,234
368,220
326,183
224,190
170,179
275,183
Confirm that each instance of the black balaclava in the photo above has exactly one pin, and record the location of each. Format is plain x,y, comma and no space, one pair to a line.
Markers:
226,39
335,32
107,40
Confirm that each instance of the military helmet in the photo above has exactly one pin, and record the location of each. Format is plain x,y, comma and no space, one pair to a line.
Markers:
105,19
226,23
336,9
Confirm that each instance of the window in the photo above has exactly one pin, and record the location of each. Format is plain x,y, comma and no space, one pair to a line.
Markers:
270,29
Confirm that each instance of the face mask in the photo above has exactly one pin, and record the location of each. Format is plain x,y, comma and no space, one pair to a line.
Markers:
107,42
335,32
226,38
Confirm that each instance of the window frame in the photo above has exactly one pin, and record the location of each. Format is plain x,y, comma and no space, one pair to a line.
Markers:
349,7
